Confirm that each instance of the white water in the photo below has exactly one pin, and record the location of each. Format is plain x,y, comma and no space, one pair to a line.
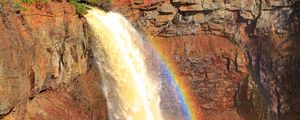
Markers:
130,93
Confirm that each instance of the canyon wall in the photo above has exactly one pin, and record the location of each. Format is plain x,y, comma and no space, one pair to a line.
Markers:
241,58
46,64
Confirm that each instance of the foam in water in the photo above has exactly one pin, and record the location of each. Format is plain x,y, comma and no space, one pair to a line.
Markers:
130,92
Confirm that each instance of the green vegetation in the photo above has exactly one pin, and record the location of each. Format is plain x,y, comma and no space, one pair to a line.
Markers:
18,6
81,8
26,1
18,3
99,1
33,1
81,5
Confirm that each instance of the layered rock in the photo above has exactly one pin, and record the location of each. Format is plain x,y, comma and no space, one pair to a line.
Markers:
240,58
212,67
170,18
262,36
45,56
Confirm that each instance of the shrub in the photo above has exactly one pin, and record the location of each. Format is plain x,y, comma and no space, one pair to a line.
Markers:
18,6
81,5
26,1
81,8
99,1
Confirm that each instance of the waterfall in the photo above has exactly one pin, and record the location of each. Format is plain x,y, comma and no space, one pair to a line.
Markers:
131,93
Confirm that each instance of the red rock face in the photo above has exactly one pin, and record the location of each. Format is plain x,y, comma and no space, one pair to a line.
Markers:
54,105
256,31
240,58
44,51
211,66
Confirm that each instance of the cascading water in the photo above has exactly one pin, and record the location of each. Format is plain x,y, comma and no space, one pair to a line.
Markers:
130,92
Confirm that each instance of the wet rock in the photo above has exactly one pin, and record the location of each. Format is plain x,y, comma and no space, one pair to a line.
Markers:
243,23
202,70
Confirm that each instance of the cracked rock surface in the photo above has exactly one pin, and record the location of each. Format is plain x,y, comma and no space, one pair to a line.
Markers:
46,65
240,58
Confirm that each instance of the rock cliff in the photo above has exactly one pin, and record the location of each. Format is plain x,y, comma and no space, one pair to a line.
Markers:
241,58
46,64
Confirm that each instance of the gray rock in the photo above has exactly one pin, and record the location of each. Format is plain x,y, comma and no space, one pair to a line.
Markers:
190,8
151,14
247,15
185,1
274,19
233,5
212,4
167,9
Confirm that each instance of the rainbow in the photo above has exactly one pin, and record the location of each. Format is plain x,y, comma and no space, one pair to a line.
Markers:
186,98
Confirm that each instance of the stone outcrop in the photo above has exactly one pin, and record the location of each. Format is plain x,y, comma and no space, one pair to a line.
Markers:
256,74
46,65
171,18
